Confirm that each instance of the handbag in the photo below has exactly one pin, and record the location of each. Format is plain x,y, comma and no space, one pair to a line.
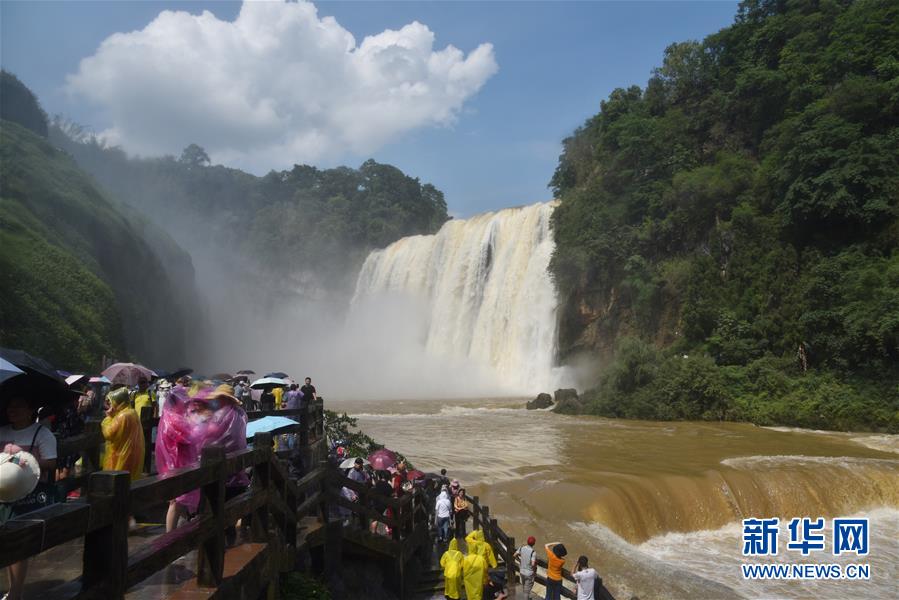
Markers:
43,494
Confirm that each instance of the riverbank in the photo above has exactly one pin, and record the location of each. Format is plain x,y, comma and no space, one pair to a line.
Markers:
643,384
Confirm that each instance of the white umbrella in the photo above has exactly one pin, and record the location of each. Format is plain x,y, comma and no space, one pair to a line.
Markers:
268,382
348,463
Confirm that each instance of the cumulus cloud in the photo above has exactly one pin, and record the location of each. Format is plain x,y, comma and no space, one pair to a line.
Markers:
276,86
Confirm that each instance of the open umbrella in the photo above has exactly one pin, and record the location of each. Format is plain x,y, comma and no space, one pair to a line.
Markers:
348,463
128,373
272,424
74,379
414,474
267,382
8,370
222,377
101,380
382,459
38,381
278,375
246,372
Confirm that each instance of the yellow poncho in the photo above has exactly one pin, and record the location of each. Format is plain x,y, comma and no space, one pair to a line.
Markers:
124,437
474,572
478,545
451,561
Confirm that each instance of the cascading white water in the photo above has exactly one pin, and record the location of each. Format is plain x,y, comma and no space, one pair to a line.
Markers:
487,292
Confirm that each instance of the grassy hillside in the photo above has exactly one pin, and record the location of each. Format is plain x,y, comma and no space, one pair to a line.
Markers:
728,238
79,277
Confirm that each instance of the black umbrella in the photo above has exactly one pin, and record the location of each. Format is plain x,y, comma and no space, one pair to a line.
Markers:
174,375
246,372
40,383
278,374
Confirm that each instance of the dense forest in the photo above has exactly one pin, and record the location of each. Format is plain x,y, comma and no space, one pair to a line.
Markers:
311,226
81,276
728,238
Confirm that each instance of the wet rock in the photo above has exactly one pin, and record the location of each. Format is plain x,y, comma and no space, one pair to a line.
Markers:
543,400
567,401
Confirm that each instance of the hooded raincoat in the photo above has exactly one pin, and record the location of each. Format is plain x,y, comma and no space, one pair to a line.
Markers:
474,572
451,561
477,543
124,436
175,446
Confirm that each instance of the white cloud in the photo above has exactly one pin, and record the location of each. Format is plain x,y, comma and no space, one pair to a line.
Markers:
276,86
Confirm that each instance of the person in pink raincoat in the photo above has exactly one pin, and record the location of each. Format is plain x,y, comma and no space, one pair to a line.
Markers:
217,418
177,447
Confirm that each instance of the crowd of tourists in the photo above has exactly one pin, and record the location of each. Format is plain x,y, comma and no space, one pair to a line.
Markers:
193,413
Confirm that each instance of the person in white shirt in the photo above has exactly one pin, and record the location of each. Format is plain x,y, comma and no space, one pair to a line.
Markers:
528,558
443,509
585,578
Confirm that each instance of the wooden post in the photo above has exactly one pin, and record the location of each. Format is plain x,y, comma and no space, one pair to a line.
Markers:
485,521
211,553
326,489
261,485
105,560
304,423
320,418
510,562
146,415
475,514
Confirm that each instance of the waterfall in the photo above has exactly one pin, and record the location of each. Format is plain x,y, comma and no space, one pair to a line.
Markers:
486,290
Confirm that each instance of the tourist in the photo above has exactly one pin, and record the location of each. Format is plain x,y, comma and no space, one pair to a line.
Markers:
219,419
123,434
382,490
527,558
292,402
267,400
357,473
455,488
479,544
176,449
461,512
555,559
278,394
451,562
474,573
585,578
308,391
24,433
444,480
495,588
143,398
443,510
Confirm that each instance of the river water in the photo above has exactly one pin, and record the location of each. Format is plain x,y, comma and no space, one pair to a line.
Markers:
656,506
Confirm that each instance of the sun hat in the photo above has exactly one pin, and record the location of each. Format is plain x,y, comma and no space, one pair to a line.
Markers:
19,474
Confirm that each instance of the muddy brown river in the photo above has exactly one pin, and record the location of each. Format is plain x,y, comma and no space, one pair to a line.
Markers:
657,506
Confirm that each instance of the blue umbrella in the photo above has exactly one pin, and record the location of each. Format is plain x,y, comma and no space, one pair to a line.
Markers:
271,424
8,370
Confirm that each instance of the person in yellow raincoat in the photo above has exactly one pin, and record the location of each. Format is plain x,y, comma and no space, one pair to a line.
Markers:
451,561
477,543
474,572
123,434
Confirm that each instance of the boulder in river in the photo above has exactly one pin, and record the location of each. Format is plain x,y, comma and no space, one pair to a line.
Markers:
543,400
567,401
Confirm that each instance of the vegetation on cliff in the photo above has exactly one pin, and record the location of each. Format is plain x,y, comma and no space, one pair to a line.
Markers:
78,277
733,225
315,224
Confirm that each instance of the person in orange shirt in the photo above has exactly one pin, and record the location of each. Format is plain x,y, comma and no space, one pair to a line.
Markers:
555,560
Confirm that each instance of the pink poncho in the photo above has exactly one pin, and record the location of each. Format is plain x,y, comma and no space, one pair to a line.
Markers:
176,443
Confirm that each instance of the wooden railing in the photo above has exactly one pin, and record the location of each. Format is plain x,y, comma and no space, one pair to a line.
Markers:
504,546
101,517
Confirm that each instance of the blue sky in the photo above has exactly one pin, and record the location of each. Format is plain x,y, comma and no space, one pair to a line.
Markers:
556,62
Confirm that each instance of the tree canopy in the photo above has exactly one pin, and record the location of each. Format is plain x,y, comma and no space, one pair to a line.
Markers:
741,210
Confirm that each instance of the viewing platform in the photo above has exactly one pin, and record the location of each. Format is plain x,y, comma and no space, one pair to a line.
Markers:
84,547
